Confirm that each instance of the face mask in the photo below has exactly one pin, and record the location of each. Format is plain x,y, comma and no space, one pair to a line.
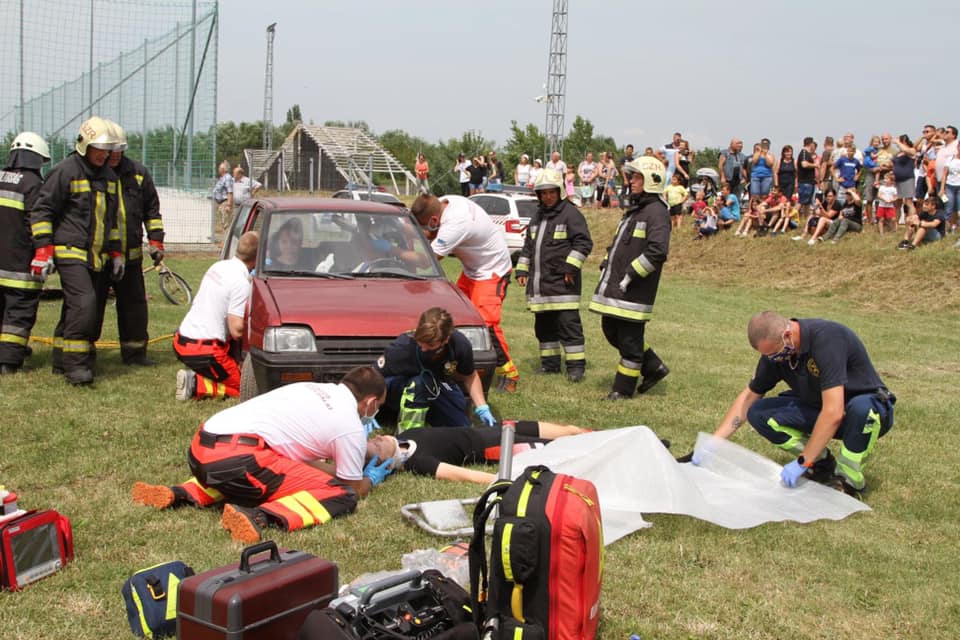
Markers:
369,422
784,355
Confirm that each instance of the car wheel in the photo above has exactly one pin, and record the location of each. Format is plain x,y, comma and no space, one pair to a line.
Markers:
248,380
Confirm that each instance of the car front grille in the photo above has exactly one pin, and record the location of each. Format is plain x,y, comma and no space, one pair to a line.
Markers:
361,350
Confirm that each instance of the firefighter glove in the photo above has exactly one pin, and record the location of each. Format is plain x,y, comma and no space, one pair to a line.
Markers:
791,473
483,412
156,251
377,473
42,264
119,266
625,283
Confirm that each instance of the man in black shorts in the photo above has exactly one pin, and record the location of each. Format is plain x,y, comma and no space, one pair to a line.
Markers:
439,453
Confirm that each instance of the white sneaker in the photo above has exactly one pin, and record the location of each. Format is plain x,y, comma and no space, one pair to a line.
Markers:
797,238
186,384
811,242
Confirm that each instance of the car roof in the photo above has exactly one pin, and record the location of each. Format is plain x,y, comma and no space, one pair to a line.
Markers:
293,203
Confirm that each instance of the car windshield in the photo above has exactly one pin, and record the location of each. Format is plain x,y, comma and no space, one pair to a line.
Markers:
526,208
329,244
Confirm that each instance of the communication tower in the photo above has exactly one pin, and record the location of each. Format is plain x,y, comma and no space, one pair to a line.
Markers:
556,97
268,91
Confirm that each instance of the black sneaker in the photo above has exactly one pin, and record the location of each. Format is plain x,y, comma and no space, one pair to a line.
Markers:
653,378
902,244
823,470
245,525
840,483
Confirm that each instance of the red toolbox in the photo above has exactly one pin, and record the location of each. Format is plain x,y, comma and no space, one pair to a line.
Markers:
269,598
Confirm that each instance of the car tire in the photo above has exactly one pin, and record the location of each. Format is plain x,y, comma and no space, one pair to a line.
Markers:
248,380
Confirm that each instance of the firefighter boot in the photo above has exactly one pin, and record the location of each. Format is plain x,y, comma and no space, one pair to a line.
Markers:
623,386
576,370
79,377
653,371
549,364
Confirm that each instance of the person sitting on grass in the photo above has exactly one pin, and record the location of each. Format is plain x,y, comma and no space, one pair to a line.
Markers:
751,220
707,226
730,210
441,452
697,207
923,228
790,219
772,208
829,211
850,218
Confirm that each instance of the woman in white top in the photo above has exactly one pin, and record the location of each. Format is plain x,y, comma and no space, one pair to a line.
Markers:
535,171
950,190
521,175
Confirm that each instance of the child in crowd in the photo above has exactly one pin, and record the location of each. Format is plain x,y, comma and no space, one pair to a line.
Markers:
676,195
708,225
927,226
789,219
568,183
887,194
696,209
772,208
753,218
730,212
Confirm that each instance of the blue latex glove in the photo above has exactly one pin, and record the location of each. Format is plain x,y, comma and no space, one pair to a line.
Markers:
381,245
378,473
370,425
483,412
791,473
704,452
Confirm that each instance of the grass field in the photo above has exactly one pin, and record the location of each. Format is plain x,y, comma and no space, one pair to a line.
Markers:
891,573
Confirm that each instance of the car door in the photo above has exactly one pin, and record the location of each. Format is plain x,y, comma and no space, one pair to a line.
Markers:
241,224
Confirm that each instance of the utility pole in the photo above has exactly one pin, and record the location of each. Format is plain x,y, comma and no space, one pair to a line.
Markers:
268,91
557,78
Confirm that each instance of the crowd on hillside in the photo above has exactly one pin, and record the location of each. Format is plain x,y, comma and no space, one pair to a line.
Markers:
815,194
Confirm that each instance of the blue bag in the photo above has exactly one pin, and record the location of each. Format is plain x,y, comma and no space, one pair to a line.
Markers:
151,598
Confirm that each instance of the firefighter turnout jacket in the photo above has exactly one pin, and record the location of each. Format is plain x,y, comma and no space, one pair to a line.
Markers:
631,271
557,243
18,193
138,207
76,212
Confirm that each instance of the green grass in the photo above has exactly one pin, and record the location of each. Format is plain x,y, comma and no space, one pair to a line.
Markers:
891,573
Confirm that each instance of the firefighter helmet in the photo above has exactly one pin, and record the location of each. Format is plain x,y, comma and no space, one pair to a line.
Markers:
30,141
653,172
95,132
118,136
549,179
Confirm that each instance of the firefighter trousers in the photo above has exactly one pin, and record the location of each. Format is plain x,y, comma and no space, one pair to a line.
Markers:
560,333
787,422
84,293
636,357
421,400
18,314
487,296
132,312
244,470
218,372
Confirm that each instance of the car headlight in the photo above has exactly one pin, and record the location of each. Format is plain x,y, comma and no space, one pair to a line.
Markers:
479,337
289,339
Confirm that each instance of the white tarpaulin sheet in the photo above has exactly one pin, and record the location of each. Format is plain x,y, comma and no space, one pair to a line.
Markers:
635,474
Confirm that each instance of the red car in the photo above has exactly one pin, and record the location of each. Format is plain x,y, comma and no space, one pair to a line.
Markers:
327,296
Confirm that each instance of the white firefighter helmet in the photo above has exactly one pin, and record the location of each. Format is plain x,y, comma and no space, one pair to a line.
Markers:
549,179
95,132
118,136
30,141
653,172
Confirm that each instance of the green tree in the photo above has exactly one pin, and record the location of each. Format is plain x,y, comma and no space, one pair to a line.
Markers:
707,157
581,140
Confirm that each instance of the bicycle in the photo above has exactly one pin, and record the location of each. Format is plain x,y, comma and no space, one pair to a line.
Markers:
174,288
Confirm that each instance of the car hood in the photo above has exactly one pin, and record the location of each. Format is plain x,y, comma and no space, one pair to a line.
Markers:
366,308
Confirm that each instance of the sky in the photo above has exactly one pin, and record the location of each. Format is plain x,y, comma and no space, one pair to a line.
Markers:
637,70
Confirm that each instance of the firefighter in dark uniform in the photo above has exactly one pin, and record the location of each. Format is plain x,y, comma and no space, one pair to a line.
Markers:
424,372
73,225
138,208
20,182
630,276
557,243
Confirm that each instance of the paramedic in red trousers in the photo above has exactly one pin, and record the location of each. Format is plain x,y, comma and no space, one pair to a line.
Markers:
557,243
630,277
74,230
267,458
835,392
139,208
458,227
20,183
203,341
